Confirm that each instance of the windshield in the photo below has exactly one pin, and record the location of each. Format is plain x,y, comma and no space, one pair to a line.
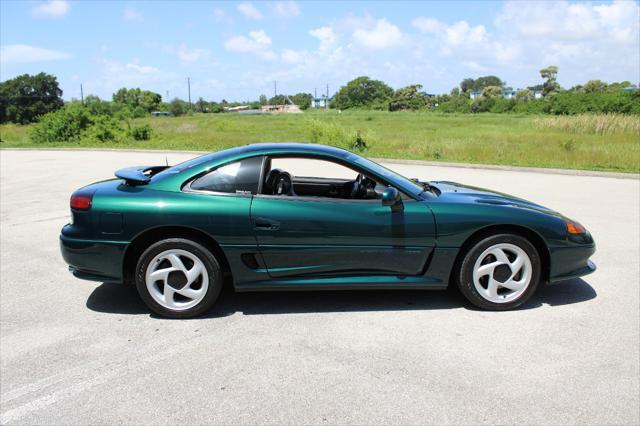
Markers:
386,173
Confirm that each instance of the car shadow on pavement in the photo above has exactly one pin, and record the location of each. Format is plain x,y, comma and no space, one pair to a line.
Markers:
122,299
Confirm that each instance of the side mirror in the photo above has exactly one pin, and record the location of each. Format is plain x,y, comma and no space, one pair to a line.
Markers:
391,197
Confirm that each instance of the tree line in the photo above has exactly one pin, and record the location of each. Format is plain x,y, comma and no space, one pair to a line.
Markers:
491,94
26,98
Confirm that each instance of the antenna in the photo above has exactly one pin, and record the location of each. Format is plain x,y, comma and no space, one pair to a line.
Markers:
166,160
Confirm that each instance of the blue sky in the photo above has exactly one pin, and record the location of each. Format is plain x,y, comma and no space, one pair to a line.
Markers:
235,50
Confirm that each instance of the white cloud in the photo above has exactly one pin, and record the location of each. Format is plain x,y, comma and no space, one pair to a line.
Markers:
428,25
286,9
141,69
575,36
132,14
248,10
258,43
51,9
461,32
185,54
382,36
293,56
326,35
22,53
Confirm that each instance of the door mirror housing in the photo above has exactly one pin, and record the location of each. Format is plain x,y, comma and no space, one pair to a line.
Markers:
391,197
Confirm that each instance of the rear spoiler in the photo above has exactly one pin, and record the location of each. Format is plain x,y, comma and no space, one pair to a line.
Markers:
139,175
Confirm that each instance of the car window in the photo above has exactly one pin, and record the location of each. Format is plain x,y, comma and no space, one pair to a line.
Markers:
240,177
313,167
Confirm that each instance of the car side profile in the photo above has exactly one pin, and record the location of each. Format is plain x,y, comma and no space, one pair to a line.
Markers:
293,216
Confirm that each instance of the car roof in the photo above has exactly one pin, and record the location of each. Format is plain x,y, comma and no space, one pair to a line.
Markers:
297,147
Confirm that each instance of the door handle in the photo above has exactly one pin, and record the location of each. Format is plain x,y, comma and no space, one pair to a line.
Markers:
266,224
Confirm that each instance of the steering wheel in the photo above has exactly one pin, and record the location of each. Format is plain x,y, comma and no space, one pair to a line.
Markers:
284,185
359,188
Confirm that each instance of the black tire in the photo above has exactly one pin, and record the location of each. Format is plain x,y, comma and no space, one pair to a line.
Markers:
211,265
464,273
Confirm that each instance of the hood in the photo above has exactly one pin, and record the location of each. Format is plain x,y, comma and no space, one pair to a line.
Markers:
456,192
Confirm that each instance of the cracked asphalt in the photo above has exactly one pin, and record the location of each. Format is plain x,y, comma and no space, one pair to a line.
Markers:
78,352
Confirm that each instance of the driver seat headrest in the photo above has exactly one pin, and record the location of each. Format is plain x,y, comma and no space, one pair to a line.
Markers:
272,179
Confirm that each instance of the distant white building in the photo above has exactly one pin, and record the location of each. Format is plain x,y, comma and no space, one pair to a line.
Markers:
321,102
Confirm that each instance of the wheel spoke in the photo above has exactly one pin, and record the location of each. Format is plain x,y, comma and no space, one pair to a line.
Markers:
193,273
513,284
161,274
500,255
176,262
168,296
492,288
190,293
488,268
517,265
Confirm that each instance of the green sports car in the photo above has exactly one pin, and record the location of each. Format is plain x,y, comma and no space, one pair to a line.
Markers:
289,216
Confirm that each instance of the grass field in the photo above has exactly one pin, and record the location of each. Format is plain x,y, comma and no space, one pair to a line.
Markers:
505,139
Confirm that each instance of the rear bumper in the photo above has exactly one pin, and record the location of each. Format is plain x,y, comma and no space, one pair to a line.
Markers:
571,262
93,260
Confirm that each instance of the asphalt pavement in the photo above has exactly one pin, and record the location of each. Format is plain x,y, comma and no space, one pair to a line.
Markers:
78,352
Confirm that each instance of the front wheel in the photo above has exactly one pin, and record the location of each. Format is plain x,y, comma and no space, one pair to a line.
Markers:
178,278
499,272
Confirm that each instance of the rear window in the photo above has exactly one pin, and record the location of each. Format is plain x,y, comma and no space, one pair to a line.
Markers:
240,177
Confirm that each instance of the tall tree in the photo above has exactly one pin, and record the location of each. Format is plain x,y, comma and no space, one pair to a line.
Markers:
479,84
202,105
550,75
593,86
408,98
362,92
303,100
145,99
25,98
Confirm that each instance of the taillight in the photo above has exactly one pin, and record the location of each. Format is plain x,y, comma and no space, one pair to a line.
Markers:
81,200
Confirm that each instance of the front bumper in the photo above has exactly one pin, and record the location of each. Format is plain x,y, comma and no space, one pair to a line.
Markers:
571,262
93,260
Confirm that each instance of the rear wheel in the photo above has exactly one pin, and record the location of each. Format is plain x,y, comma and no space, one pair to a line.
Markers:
499,272
178,278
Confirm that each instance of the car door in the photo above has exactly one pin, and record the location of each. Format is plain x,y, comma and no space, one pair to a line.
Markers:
302,236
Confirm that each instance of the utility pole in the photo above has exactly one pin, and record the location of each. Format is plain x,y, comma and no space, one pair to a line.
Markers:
326,99
315,97
275,88
81,94
189,89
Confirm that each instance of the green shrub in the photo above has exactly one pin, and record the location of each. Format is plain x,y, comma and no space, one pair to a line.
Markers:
328,133
105,129
460,104
502,105
358,142
65,125
141,133
482,104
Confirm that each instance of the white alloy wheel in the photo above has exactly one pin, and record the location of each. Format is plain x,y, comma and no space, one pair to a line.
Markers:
502,273
177,279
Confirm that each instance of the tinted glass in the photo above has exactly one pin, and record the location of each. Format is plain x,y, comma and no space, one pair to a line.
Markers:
239,177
